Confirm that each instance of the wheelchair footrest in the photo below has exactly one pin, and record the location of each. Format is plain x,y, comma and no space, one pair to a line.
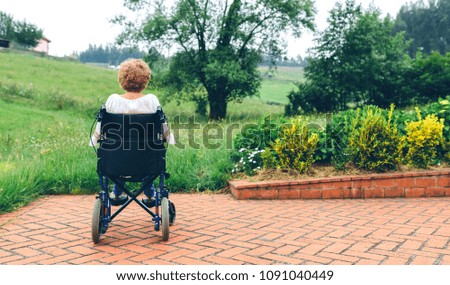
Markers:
118,201
150,203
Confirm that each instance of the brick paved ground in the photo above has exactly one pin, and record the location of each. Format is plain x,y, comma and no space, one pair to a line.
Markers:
217,229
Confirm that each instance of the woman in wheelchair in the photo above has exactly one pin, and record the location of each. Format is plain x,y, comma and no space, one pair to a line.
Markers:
134,76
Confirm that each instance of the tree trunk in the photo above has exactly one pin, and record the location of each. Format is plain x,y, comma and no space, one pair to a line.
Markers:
217,106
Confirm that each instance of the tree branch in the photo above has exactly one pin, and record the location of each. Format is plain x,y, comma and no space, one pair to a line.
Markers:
198,28
204,18
231,24
174,27
224,15
252,33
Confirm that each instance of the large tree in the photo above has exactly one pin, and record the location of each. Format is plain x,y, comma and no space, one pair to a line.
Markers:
219,42
21,32
6,26
27,34
427,24
356,61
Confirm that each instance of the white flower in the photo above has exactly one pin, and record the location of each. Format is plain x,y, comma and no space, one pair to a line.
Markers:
242,150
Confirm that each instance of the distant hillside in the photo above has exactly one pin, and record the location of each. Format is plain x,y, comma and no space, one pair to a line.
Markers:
275,87
49,81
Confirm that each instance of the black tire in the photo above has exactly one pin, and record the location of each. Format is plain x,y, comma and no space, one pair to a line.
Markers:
97,221
172,213
165,218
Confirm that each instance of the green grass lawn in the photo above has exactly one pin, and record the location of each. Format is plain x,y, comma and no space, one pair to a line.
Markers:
276,89
79,82
48,107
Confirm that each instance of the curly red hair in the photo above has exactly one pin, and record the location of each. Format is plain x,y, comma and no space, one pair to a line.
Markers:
134,75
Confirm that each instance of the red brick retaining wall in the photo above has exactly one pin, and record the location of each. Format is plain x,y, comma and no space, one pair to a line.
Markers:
391,185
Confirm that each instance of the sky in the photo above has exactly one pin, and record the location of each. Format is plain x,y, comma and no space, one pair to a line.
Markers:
71,25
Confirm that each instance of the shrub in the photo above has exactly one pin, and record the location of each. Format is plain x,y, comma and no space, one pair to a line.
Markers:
258,135
249,162
310,98
431,76
60,100
375,143
401,117
269,158
294,148
249,143
13,91
445,155
442,110
338,129
424,137
323,151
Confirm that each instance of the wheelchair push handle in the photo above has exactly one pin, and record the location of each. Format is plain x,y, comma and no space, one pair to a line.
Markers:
162,116
100,113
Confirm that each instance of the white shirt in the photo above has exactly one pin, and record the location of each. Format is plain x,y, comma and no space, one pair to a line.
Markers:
147,104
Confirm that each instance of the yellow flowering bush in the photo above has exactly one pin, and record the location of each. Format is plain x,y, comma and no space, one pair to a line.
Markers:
424,137
375,144
294,147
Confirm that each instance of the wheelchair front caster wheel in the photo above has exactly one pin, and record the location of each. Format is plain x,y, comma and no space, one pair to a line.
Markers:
165,218
97,223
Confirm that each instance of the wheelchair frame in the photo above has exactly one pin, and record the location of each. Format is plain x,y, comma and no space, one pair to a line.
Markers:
102,213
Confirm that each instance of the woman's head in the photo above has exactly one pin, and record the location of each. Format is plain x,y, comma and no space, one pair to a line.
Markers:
134,75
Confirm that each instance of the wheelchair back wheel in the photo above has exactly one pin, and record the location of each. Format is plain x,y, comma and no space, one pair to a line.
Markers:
165,218
97,221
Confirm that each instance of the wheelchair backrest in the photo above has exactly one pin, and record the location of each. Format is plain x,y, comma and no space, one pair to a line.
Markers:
131,145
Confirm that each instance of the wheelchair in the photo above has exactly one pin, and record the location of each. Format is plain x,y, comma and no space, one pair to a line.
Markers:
131,150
